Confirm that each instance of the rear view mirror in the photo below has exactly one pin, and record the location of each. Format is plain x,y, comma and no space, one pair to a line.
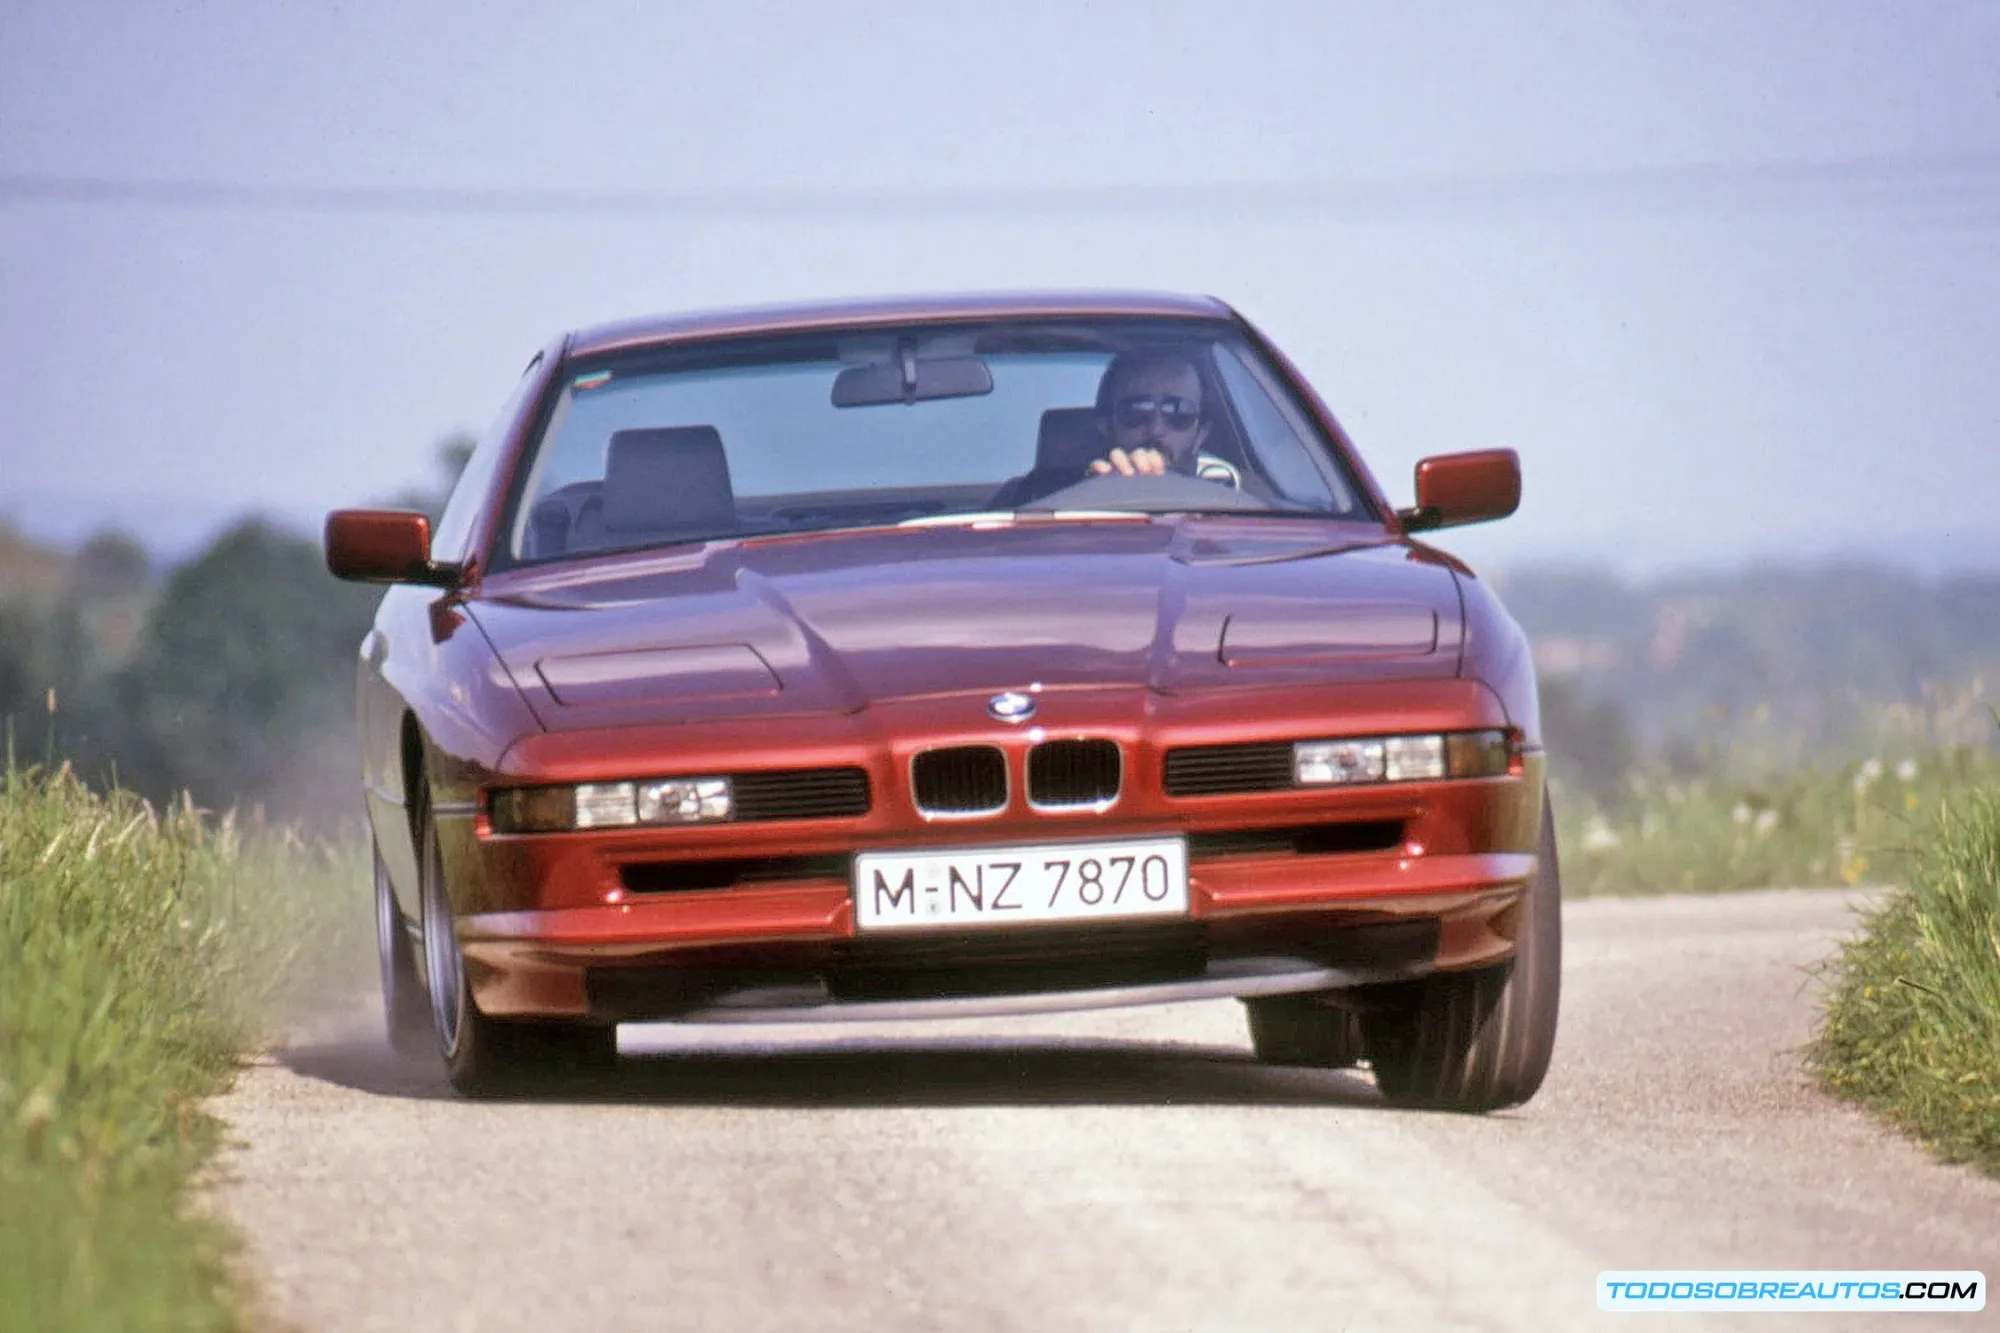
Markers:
1464,488
383,546
909,380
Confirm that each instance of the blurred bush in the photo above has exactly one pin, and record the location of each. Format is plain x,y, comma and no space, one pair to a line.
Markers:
231,678
1753,810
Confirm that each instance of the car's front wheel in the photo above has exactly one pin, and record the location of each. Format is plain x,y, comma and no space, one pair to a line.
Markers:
405,1008
488,1057
1477,1041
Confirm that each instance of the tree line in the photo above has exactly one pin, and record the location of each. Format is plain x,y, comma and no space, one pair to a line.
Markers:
230,679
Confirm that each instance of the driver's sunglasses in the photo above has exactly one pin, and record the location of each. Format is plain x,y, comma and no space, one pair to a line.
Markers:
1177,413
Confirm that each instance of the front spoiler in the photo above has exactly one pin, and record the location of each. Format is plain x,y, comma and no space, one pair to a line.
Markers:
1229,978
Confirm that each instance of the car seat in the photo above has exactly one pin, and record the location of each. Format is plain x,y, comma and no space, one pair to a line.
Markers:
661,482
1064,447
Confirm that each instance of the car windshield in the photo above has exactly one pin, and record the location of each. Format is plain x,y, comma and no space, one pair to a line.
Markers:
923,424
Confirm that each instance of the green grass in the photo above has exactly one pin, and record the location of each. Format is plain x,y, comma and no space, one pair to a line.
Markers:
1735,828
1912,1021
1755,807
140,953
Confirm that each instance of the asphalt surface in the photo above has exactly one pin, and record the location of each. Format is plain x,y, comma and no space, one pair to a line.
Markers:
1129,1169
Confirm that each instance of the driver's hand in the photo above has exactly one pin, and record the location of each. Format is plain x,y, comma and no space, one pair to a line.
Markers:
1139,462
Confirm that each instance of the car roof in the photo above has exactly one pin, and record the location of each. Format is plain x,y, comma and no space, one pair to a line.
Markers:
943,307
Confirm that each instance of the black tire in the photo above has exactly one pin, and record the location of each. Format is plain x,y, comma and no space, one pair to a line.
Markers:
1304,1030
489,1057
1477,1041
406,1011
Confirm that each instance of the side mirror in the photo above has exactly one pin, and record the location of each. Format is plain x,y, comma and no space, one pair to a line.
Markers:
383,546
1464,488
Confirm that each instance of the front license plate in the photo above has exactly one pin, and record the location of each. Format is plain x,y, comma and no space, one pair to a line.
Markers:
994,886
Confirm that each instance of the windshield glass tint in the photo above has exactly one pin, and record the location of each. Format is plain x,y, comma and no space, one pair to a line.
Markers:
653,447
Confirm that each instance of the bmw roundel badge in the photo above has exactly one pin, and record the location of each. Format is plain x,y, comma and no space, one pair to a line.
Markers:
1012,706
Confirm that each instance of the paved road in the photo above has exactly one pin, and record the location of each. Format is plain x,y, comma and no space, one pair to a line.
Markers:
1124,1170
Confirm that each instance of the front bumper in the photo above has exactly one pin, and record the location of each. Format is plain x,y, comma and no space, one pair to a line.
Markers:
569,925
1255,926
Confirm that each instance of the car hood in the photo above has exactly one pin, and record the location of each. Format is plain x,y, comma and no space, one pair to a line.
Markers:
837,622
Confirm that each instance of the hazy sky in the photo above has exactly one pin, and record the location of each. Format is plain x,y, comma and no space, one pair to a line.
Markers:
1727,275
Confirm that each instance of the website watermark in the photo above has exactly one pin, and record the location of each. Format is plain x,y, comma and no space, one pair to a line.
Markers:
1886,1291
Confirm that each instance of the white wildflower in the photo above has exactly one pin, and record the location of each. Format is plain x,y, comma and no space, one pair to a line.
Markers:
1741,814
1766,821
1600,837
1907,770
1864,777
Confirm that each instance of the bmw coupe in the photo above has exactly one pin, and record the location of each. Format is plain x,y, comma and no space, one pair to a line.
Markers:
951,656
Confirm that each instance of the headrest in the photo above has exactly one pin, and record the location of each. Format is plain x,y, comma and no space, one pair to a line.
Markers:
665,478
1069,440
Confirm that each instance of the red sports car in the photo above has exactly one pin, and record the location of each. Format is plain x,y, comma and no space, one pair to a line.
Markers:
951,656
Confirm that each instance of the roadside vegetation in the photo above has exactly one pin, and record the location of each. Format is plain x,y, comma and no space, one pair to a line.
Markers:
1912,1026
1754,808
227,672
142,951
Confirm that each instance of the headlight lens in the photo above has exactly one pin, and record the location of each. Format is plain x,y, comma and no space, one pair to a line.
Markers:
1318,763
1362,759
1413,758
684,801
595,805
605,805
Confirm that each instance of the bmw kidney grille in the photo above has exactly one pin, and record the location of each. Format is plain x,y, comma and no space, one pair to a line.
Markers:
959,780
1072,773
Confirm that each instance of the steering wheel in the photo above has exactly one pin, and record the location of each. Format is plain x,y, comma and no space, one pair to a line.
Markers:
1210,468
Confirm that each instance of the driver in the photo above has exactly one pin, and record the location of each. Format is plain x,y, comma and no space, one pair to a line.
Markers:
1150,412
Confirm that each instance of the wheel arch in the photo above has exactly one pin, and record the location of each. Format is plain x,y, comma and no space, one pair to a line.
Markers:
410,751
